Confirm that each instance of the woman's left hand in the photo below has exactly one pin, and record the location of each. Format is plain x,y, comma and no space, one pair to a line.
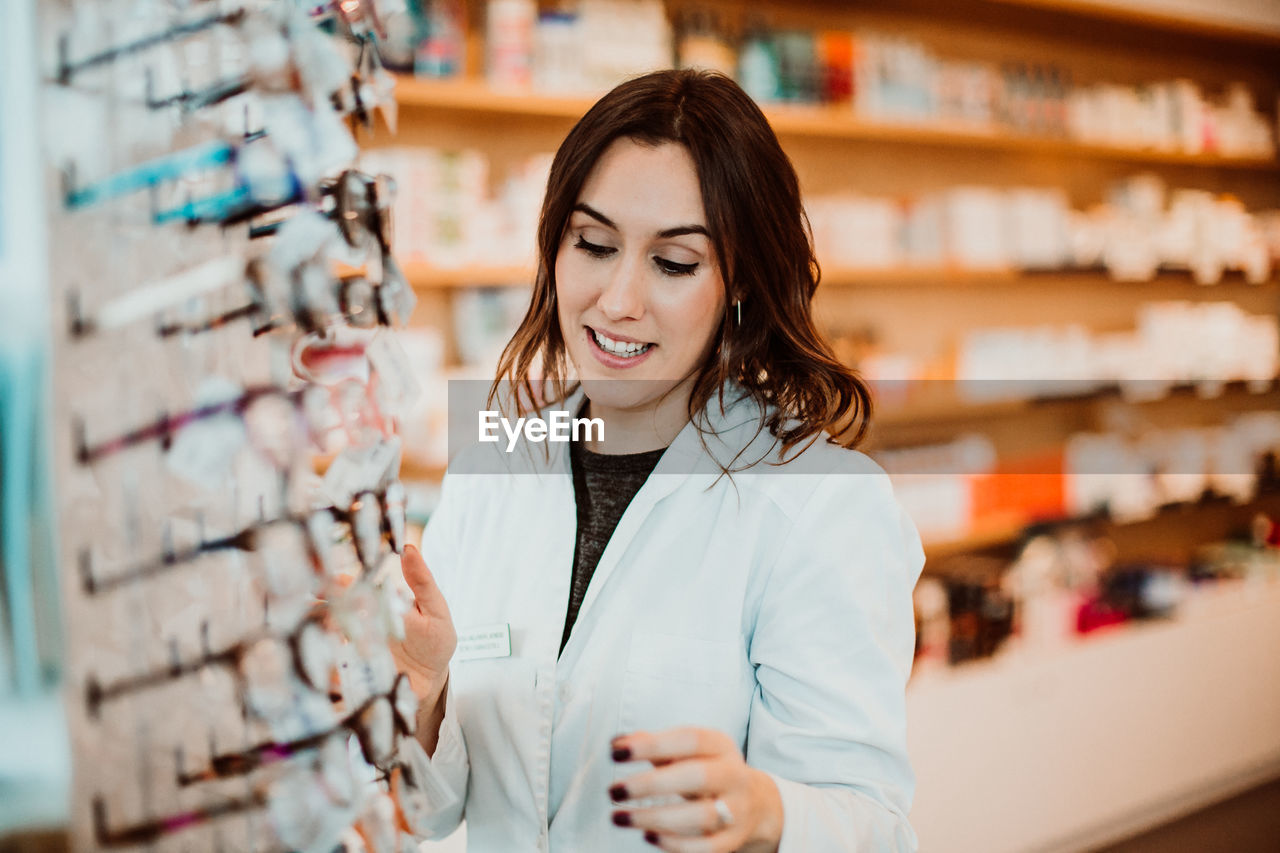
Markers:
703,766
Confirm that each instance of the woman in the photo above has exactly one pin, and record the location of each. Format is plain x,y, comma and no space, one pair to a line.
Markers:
696,634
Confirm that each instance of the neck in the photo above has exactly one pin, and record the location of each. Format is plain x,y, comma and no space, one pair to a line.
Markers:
638,429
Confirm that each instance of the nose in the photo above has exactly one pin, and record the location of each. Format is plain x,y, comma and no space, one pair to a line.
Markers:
623,296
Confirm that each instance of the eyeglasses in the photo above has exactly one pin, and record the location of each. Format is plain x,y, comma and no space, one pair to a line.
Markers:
374,517
209,96
356,16
261,185
152,297
362,207
359,203
265,180
368,68
152,173
274,187
359,19
299,805
267,413
275,427
255,660
164,428
304,290
317,301
377,724
151,831
324,779
68,69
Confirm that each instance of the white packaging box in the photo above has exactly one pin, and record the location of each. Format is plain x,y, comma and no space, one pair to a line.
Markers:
509,29
859,232
1038,228
976,228
623,38
1192,116
924,233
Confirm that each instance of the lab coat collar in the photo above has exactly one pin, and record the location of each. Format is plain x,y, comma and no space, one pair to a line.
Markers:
727,437
716,438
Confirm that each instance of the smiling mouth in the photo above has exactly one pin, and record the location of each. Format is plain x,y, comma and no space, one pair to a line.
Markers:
620,349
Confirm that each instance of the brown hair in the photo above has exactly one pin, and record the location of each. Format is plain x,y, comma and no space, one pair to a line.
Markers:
763,244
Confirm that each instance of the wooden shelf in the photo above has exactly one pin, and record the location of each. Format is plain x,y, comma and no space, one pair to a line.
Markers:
988,536
1220,514
410,470
941,403
427,277
962,277
475,96
1152,17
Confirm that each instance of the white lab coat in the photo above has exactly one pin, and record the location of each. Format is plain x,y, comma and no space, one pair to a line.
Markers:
774,607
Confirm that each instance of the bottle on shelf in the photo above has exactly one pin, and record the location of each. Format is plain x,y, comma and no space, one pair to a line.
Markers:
703,43
759,72
441,50
509,30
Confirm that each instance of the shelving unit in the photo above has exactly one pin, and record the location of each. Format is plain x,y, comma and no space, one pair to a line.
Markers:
941,403
426,277
1063,719
1170,535
474,96
918,311
1252,25
1073,748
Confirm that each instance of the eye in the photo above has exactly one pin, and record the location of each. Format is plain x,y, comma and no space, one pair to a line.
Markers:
673,268
592,249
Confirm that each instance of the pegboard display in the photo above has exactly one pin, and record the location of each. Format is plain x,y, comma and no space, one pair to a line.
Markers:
227,387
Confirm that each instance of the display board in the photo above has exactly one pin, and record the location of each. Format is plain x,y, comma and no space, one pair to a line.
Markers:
223,294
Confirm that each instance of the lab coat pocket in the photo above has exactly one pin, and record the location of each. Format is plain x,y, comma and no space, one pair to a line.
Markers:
487,684
674,680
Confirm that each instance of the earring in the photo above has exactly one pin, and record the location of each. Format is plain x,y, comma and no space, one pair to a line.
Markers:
739,305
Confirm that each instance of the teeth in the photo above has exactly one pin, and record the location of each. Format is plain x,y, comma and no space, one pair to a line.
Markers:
618,347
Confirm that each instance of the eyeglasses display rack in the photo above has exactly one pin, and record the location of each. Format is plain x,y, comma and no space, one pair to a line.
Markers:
223,303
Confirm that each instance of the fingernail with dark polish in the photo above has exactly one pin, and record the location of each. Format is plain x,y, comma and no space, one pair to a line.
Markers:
622,818
651,837
622,754
618,793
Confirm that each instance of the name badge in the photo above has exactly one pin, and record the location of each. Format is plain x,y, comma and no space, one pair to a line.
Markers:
485,641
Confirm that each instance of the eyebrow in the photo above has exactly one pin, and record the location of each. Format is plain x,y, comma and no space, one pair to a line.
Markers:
678,231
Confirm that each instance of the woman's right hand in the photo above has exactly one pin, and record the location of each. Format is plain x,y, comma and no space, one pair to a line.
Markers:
429,635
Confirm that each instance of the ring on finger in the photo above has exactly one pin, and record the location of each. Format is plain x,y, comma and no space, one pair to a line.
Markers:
722,811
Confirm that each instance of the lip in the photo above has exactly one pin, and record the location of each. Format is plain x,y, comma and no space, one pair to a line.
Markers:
608,359
617,337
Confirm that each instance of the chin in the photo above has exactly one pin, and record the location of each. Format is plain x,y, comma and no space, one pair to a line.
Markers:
626,394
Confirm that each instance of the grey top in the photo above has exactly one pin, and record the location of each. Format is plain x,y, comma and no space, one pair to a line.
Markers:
603,486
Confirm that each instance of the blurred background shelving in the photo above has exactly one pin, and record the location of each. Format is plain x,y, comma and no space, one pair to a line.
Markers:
911,310
1037,122
426,277
788,121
